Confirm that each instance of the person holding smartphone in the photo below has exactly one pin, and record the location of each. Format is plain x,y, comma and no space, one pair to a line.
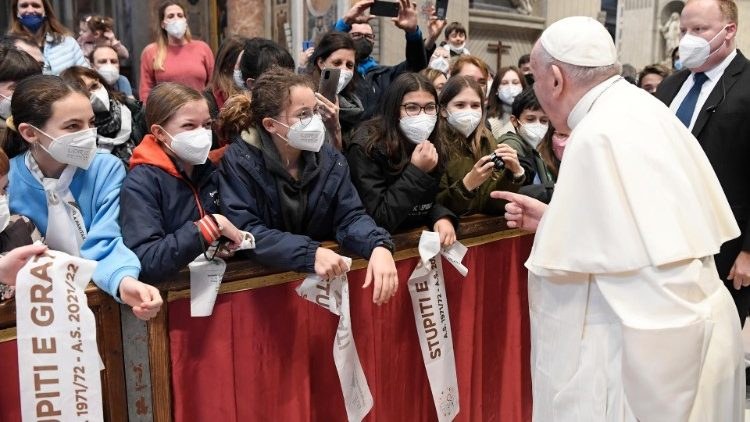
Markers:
377,78
336,51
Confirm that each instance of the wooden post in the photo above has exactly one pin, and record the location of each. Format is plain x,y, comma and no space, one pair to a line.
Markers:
499,49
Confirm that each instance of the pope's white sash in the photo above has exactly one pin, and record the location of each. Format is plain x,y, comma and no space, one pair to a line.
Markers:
430,305
334,295
58,361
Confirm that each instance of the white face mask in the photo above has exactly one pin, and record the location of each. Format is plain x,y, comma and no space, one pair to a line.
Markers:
533,132
77,149
417,128
4,212
507,93
5,106
238,81
694,50
99,99
344,78
465,121
307,138
110,73
192,146
176,28
458,49
441,64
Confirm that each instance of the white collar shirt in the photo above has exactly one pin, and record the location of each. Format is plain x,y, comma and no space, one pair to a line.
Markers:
713,78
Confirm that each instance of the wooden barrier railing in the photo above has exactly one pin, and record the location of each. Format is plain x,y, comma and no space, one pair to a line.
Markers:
241,275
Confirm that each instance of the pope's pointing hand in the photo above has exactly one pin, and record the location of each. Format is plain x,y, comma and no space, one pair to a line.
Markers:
521,211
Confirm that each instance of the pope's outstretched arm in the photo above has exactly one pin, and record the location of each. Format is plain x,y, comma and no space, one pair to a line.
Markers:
521,211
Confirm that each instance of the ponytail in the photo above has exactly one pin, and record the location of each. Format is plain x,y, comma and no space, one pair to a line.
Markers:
234,117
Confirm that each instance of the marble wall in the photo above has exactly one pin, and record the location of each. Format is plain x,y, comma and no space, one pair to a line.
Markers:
247,17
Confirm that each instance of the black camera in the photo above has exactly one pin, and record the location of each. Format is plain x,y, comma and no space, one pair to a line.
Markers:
499,163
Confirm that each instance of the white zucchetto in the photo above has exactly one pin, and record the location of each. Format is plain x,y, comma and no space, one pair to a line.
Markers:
580,41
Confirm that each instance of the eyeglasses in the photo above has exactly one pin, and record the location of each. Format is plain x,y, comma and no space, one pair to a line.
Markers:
358,35
305,116
413,109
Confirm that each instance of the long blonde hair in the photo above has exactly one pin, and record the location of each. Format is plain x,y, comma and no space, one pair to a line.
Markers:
162,38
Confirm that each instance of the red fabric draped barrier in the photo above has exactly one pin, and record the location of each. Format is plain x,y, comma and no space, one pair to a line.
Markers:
266,354
10,398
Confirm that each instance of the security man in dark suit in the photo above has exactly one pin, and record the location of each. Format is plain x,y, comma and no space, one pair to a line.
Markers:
711,96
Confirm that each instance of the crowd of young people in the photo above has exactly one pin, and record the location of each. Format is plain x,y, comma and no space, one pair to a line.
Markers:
240,142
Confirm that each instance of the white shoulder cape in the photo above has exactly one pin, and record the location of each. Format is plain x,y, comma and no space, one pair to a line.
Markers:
635,189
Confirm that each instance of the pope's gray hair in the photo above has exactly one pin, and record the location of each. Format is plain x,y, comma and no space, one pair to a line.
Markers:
582,75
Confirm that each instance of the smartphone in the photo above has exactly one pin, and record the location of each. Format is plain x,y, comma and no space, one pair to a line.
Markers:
441,9
384,8
329,82
307,44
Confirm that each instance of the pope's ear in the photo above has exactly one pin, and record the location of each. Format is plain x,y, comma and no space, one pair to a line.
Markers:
557,78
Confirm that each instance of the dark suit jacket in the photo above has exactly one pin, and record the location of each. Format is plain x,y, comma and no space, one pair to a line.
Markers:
723,130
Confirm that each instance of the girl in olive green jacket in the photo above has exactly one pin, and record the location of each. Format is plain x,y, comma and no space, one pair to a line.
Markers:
477,165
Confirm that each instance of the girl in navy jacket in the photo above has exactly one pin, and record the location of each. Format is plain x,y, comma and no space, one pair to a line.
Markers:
282,183
169,199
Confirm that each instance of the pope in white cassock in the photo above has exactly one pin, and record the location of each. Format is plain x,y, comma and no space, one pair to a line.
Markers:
629,319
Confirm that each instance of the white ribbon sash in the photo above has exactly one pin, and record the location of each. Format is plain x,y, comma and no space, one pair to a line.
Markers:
58,361
206,276
66,229
334,296
430,304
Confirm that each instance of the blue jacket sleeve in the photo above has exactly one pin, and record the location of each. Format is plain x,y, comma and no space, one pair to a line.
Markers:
124,86
161,254
104,240
342,26
355,229
239,203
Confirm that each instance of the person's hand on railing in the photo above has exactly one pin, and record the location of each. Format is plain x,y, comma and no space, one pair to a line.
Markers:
444,227
381,272
12,262
229,231
143,298
521,211
329,264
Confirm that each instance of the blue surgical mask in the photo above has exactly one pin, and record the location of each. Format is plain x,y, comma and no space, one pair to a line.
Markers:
32,21
677,65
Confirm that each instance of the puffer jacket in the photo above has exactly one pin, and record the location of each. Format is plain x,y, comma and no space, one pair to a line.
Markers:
250,200
163,210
